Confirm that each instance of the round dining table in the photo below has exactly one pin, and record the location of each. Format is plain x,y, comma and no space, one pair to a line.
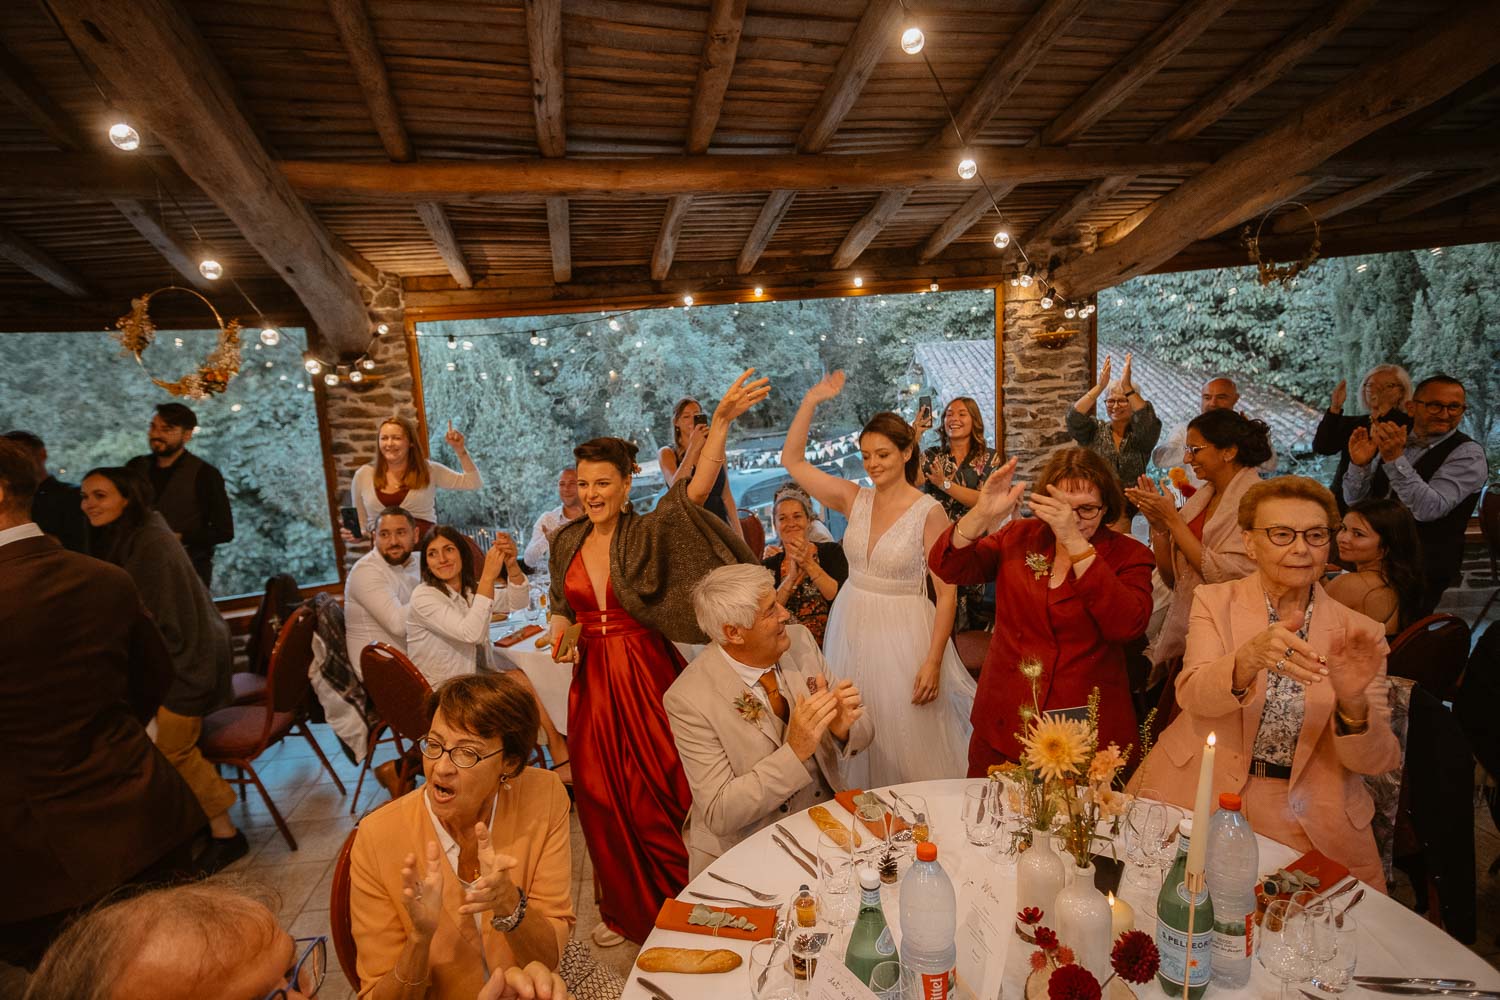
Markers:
1392,940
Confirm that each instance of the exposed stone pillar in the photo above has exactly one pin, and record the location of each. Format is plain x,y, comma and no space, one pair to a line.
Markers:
1045,361
352,411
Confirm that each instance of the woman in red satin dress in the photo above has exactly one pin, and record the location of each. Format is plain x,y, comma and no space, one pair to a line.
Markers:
626,578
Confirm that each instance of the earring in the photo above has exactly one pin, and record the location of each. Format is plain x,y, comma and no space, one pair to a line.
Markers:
505,782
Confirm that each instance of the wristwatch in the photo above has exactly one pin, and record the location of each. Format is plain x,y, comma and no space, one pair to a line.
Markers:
507,924
947,484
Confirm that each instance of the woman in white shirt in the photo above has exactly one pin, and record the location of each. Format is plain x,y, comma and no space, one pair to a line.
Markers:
448,620
403,476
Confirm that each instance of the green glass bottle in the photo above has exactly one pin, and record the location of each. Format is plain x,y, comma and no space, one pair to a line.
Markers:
1181,959
870,941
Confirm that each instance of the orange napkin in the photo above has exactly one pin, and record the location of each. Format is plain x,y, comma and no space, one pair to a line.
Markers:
514,637
674,917
846,799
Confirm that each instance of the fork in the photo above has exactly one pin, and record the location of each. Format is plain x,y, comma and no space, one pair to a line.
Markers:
764,897
722,899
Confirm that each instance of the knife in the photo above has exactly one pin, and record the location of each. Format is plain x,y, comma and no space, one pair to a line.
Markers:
1442,984
1432,991
653,989
789,853
809,855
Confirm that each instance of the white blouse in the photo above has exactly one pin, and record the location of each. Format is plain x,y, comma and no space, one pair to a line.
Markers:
420,503
448,635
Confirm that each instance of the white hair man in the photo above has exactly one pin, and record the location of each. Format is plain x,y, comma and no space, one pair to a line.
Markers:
1219,393
760,730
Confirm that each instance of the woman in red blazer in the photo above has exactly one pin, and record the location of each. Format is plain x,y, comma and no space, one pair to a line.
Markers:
1069,594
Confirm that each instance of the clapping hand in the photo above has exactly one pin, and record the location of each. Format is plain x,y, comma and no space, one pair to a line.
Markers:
422,890
455,439
1104,372
492,891
742,395
1152,501
494,559
1127,380
508,552
1362,447
851,706
810,718
997,497
1340,394
1278,650
1389,437
1055,507
1353,664
534,982
826,388
804,552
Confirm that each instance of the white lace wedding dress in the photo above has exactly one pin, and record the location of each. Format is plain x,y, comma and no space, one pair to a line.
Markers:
879,631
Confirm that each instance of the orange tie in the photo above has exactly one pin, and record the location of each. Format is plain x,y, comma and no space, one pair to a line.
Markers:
774,695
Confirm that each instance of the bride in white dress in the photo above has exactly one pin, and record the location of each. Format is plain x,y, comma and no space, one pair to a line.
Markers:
883,633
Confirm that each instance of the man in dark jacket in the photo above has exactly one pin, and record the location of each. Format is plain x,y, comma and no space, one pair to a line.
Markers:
55,507
89,804
189,492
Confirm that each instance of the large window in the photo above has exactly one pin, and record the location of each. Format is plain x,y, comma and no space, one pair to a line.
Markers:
91,405
526,390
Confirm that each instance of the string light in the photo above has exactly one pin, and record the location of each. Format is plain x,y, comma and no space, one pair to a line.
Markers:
311,364
932,287
124,137
912,40
367,363
1047,301
270,336
1070,312
468,345
967,168
1015,282
331,379
452,342
1026,279
614,325
759,291
355,375
859,282
451,366
1002,240
211,269
687,300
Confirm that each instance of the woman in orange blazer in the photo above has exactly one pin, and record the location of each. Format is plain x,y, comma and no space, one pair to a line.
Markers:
1291,682
471,873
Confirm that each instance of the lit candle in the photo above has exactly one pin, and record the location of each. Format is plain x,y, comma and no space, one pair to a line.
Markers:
1121,917
1202,810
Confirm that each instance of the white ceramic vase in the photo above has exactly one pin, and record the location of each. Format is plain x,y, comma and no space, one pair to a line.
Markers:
1081,916
1039,875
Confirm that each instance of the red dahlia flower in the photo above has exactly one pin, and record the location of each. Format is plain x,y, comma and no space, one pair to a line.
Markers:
1134,957
1073,982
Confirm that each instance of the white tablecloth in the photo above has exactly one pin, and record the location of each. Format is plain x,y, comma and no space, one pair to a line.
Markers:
1392,939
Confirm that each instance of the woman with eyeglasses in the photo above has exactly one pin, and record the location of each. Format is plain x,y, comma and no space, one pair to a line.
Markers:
1075,592
1126,436
1383,392
1291,683
1201,542
471,873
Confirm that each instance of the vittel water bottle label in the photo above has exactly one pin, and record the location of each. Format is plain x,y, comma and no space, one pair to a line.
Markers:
937,986
1233,940
1173,946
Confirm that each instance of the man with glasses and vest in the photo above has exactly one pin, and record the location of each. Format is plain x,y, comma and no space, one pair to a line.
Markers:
1436,470
189,492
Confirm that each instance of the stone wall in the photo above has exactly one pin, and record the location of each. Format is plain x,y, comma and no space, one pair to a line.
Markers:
1041,378
353,411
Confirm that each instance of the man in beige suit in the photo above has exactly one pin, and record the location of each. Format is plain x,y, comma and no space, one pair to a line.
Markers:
758,727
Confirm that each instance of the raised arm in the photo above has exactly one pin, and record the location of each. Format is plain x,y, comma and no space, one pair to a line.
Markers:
738,398
925,687
1090,400
830,491
446,478
1127,386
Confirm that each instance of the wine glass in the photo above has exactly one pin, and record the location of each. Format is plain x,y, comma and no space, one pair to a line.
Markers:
981,813
770,968
1286,943
886,981
913,810
872,816
1336,949
1149,829
838,881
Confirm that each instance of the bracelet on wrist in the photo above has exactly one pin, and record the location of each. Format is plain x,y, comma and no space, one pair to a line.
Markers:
960,532
507,924
1352,727
407,982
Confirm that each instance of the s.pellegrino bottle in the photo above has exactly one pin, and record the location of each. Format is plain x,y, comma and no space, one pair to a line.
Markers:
870,942
1184,960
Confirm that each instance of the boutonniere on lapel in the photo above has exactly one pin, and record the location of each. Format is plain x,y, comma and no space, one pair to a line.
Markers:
749,707
1039,565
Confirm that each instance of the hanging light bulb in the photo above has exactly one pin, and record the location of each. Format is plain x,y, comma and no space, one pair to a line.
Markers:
1015,282
1047,301
859,282
932,287
211,269
967,168
124,137
468,345
687,300
1070,312
1026,279
383,328
355,375
452,342
759,291
367,363
912,40
270,336
312,365
1090,309
1002,240
331,379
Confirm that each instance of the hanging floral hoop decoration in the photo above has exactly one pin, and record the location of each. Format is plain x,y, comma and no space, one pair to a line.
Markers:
136,331
1268,271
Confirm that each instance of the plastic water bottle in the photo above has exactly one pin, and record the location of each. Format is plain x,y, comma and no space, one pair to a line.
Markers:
1232,869
929,923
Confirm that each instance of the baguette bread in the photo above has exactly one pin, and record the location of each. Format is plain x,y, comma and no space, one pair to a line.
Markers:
689,960
826,823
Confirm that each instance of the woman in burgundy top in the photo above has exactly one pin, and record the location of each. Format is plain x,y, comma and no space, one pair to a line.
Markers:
1073,593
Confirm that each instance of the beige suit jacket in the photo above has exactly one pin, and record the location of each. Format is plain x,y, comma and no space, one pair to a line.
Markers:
743,774
1326,793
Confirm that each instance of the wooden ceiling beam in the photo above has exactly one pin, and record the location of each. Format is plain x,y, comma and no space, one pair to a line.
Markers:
771,214
1159,48
26,255
155,232
441,231
544,49
1253,76
1344,201
562,248
1460,45
867,228
166,75
959,222
1456,188
721,43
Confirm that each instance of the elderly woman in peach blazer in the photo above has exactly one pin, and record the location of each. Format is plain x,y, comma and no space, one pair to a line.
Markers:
1292,683
471,873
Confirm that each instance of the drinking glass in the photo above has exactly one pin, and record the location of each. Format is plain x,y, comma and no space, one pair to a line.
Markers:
838,882
1335,950
885,981
1149,842
869,816
1286,943
913,810
981,813
770,968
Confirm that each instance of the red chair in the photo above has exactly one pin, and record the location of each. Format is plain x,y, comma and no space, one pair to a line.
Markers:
238,735
400,694
1433,653
340,921
754,532
280,599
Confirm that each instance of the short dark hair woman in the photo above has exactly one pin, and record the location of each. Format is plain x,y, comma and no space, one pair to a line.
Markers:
124,530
